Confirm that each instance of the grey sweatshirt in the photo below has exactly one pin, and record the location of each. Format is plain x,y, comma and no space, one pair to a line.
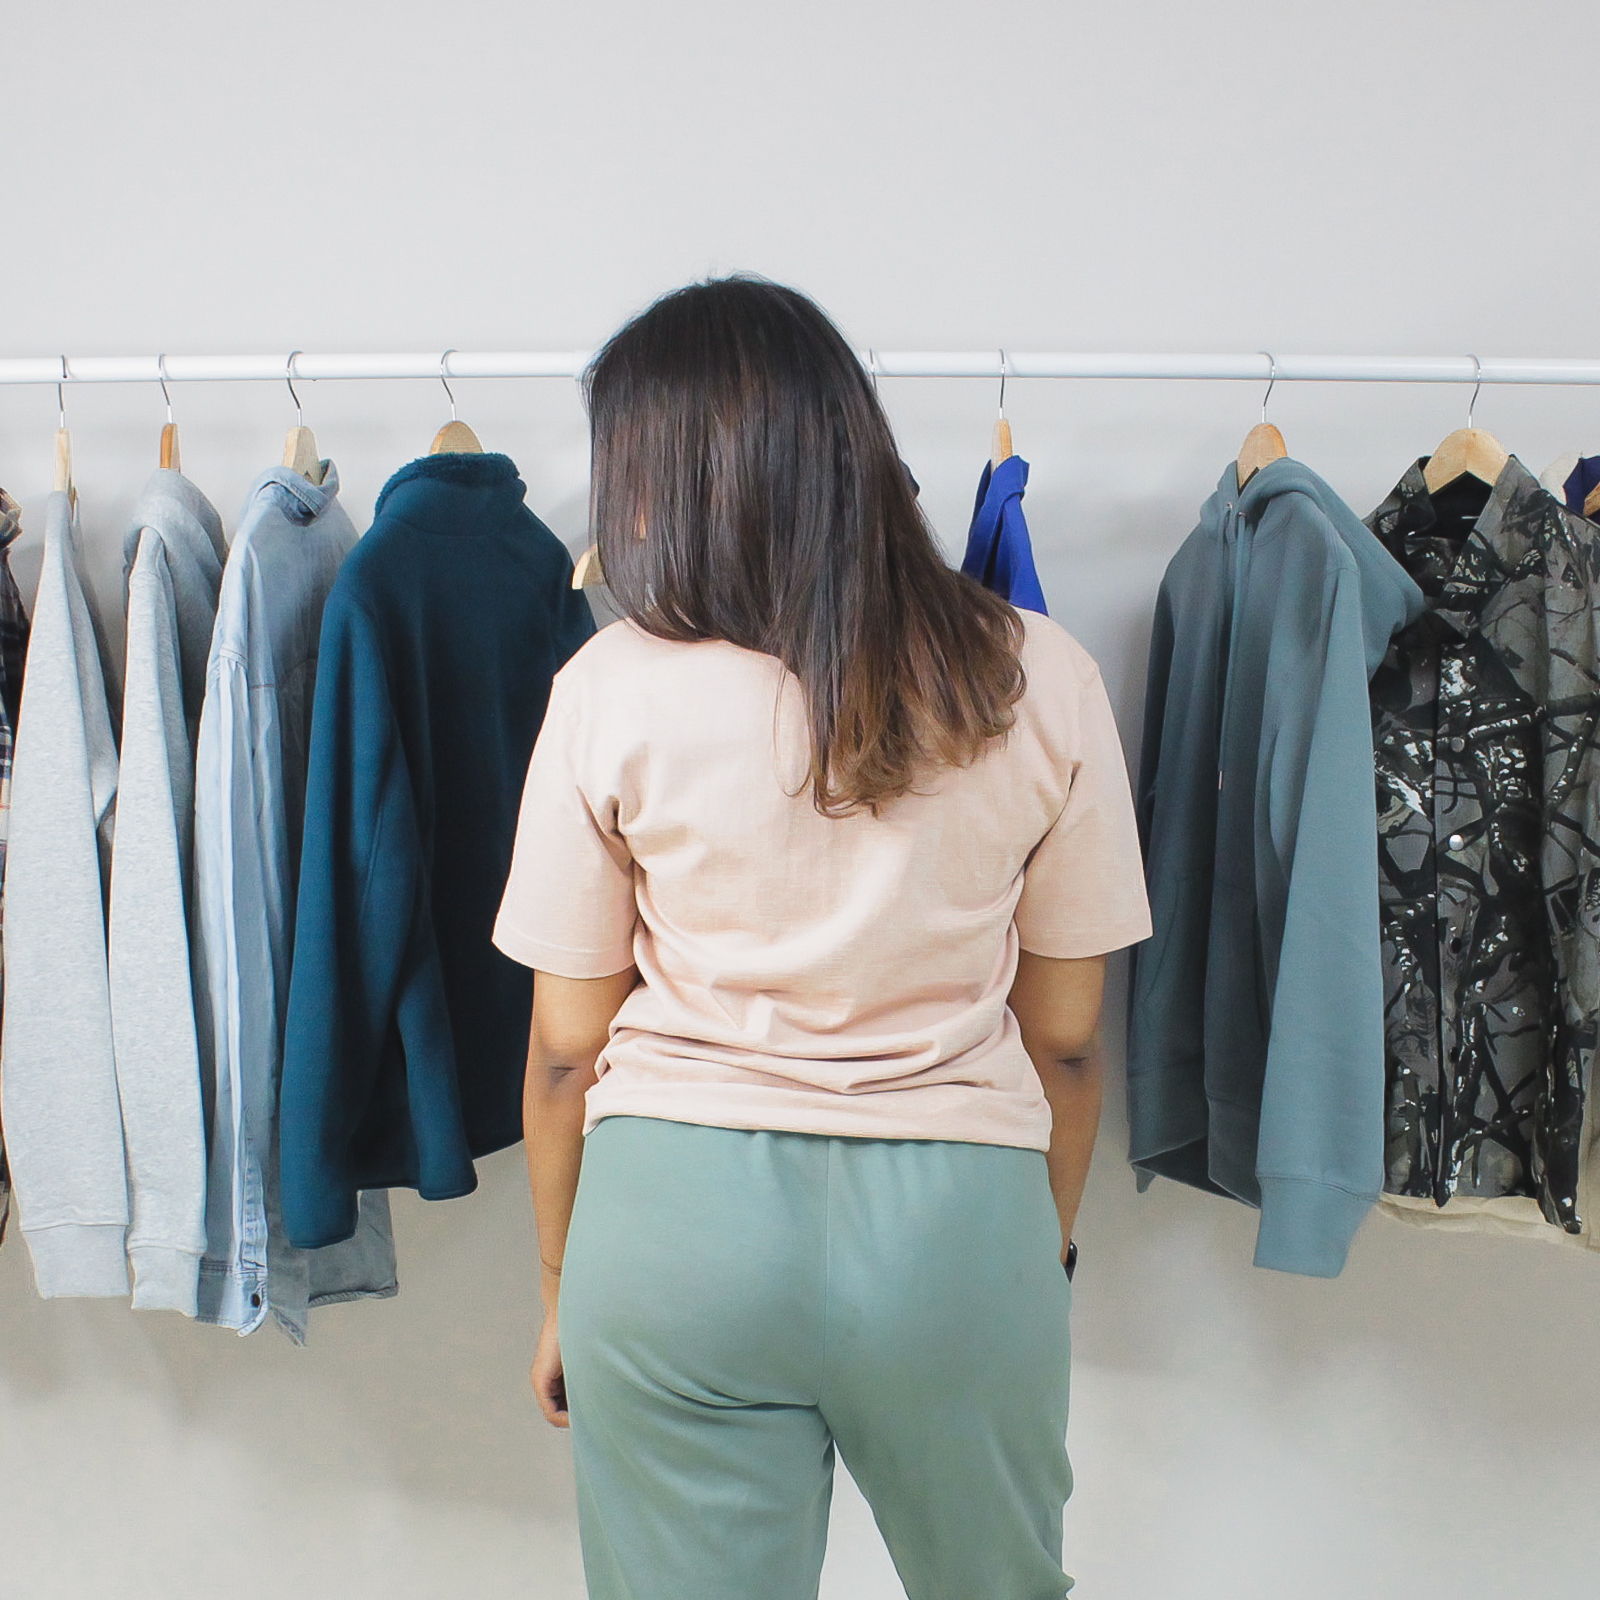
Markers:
59,1088
173,559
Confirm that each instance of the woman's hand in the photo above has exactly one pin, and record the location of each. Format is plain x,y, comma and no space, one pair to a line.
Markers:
549,1383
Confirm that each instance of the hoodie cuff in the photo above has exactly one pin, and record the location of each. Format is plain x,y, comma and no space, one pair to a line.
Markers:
164,1278
1307,1227
79,1260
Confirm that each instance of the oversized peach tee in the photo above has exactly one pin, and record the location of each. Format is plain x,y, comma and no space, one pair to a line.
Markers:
821,975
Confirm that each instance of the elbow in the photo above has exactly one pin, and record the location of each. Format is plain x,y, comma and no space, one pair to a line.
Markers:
1075,1056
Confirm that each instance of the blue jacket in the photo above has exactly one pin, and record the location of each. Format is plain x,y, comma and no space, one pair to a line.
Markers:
408,1031
250,785
1256,1055
999,551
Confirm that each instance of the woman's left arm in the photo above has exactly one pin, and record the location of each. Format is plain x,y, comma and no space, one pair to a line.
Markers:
1057,1007
571,1023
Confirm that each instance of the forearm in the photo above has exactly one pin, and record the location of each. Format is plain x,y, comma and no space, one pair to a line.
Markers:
1074,1089
552,1118
1057,1007
571,1024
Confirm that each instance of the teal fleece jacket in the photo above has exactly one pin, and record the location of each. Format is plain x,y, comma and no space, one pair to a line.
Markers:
407,1030
1255,1057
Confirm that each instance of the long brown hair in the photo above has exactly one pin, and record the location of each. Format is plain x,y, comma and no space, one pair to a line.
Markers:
746,487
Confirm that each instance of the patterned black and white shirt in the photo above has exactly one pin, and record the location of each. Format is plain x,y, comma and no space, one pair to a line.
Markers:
1486,718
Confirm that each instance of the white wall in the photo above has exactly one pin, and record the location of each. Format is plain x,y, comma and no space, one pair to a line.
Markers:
1358,175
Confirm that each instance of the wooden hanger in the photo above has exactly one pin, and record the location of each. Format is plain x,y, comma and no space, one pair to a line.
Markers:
1263,444
1000,439
169,433
300,452
454,435
1468,452
1591,502
63,477
587,574
61,482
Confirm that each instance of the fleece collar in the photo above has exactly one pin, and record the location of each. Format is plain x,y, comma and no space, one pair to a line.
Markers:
456,492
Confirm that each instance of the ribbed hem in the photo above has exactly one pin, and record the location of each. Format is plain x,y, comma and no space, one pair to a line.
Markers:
1167,1110
165,1278
79,1260
1306,1227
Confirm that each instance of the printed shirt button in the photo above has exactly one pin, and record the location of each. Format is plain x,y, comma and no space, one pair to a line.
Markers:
1454,842
1458,743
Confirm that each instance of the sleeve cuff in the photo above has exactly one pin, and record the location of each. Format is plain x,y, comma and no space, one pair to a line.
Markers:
165,1278
1306,1227
559,960
1079,946
79,1260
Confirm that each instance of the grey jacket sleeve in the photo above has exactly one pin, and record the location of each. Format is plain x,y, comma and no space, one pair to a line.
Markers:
1320,1154
63,1123
152,997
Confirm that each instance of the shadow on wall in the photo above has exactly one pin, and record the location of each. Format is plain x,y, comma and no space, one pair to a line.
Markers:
427,1392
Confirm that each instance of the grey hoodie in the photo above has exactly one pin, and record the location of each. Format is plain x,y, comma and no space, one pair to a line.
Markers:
63,1126
1255,1052
173,559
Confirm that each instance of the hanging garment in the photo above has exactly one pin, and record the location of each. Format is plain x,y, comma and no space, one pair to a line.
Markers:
172,567
1570,478
1255,1055
250,778
999,551
13,651
1487,722
59,1085
408,1031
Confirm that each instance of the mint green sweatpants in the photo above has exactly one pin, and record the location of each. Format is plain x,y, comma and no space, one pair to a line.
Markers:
736,1304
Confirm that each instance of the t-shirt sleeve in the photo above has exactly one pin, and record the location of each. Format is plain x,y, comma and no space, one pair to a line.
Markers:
1083,890
569,905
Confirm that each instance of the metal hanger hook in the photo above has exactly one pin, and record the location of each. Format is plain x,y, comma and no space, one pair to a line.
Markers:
444,378
1272,378
1477,384
61,399
161,368
1005,367
288,378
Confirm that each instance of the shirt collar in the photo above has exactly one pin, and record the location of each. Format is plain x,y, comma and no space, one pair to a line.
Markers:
1486,554
307,500
457,492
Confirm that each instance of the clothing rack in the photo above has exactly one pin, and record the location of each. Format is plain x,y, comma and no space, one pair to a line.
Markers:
1258,366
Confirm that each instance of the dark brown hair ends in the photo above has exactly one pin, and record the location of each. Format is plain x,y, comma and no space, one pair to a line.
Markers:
746,487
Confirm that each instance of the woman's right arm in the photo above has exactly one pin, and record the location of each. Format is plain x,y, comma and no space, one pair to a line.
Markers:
1057,1007
571,1023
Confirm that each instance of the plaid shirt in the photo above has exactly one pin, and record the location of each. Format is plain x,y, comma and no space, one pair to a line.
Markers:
13,650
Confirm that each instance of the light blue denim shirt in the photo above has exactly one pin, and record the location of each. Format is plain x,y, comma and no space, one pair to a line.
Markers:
250,780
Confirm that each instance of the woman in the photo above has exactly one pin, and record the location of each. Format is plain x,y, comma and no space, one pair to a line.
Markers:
820,855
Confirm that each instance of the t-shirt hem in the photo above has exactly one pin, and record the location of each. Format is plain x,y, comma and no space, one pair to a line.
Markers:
851,1121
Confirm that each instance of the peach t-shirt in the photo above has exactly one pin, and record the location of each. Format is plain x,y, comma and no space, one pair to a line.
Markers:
821,975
